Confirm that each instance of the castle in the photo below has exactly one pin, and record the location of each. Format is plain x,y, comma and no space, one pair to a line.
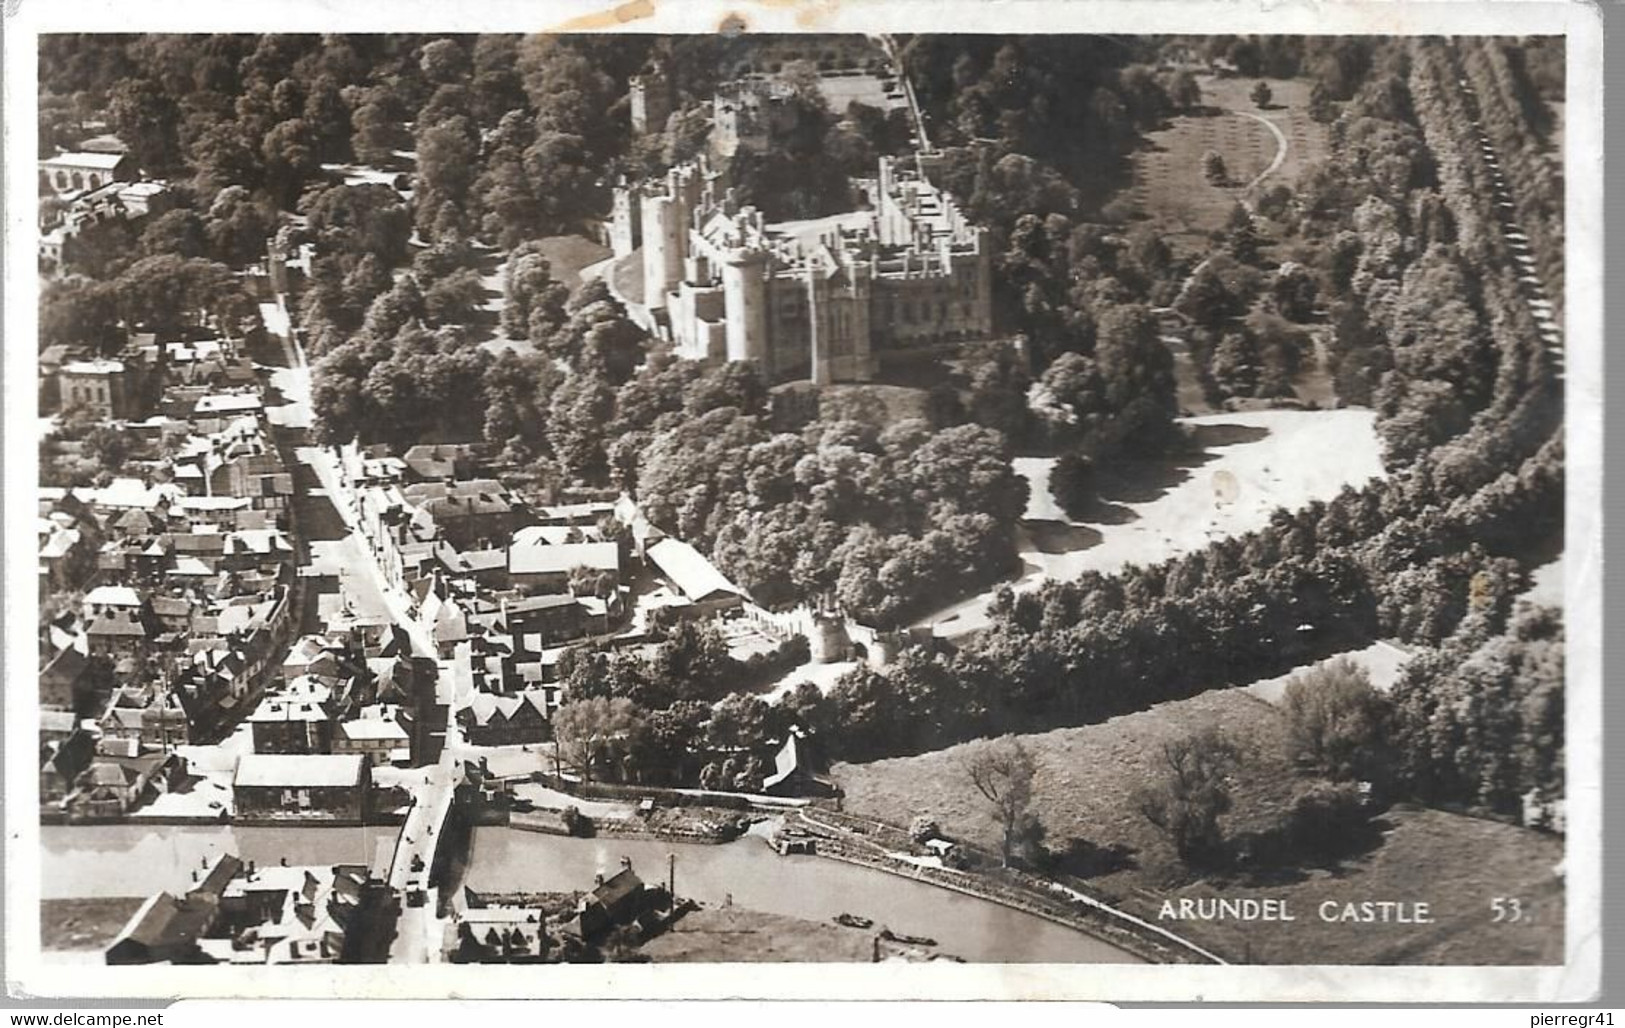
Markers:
823,300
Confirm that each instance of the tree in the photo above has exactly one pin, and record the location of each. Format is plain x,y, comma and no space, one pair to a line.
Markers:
1002,771
1072,483
179,232
370,218
1262,95
1191,793
290,156
585,729
237,226
447,155
147,120
1213,168
1336,720
378,133
454,299
444,60
1321,107
1294,291
1184,90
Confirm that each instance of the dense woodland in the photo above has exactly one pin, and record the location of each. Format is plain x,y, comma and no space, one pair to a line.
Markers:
502,141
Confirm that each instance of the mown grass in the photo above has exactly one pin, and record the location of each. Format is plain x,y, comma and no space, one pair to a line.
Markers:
1169,185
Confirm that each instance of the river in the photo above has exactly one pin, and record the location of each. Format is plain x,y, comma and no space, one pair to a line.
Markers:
814,888
86,861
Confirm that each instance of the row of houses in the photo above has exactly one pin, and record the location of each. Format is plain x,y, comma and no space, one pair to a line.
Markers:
237,912
167,598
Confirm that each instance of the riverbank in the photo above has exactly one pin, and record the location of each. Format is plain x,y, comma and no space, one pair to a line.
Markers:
747,873
129,859
1030,895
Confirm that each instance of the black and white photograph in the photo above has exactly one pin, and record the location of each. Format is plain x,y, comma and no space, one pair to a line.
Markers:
948,492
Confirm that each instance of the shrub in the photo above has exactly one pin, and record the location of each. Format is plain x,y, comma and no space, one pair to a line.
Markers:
1328,819
924,827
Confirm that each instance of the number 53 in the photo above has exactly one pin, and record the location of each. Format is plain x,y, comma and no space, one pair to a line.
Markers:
1507,909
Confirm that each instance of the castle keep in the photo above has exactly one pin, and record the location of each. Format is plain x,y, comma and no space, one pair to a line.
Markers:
824,299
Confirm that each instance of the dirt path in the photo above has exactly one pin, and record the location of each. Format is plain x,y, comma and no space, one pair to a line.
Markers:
1280,146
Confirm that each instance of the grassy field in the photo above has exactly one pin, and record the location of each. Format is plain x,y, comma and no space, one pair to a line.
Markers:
84,924
737,935
1272,459
1169,186
1087,778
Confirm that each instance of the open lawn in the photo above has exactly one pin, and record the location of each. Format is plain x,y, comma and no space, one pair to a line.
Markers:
1249,464
1084,794
1383,661
1169,185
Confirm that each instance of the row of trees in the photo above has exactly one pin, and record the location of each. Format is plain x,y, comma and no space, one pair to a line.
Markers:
1520,124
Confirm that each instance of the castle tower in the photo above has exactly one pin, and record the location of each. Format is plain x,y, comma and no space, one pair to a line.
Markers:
744,291
651,102
626,222
667,215
838,299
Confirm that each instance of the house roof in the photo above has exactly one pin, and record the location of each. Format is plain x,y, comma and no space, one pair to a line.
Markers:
547,559
110,625
227,403
554,535
190,567
276,709
114,596
372,729
57,721
689,570
171,606
618,889
547,602
314,770
98,366
84,159
128,492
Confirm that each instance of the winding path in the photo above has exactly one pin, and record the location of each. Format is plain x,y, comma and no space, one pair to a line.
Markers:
1280,147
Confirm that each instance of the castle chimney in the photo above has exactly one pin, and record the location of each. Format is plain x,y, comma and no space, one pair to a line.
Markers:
626,863
597,880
